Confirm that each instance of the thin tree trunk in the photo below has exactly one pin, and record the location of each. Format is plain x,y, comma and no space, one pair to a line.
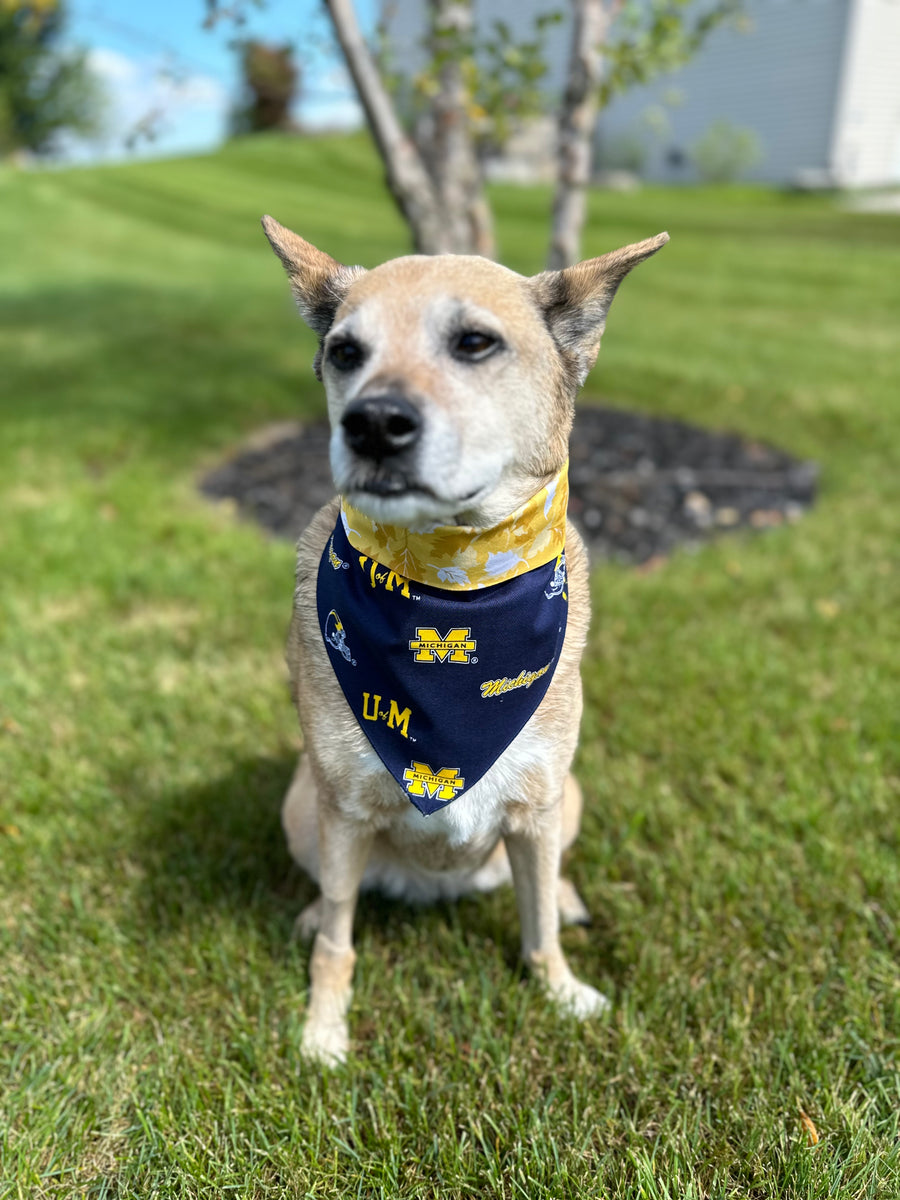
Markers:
575,134
451,157
481,223
407,177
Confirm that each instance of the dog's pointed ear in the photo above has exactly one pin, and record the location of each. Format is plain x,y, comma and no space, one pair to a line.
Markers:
319,283
575,301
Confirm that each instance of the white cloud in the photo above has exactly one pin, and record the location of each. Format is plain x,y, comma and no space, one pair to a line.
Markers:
331,114
336,77
152,106
327,99
112,67
204,91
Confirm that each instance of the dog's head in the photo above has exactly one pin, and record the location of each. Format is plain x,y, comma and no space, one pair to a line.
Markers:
450,380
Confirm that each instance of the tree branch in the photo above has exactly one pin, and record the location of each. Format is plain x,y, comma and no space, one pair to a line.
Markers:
591,22
451,158
406,174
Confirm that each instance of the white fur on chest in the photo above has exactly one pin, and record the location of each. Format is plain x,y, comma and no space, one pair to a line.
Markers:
475,818
455,850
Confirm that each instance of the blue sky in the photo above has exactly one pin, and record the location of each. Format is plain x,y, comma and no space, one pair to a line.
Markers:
162,70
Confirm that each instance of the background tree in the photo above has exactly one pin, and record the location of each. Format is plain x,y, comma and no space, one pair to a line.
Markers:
615,45
474,87
45,91
474,91
271,80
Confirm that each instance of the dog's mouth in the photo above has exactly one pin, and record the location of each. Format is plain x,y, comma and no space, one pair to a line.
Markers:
387,482
400,489
390,489
392,496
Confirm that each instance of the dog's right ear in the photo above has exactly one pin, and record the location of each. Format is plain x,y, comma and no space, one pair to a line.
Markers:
575,301
319,283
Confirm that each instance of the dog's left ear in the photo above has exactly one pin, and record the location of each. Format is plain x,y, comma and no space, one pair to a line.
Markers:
319,283
575,301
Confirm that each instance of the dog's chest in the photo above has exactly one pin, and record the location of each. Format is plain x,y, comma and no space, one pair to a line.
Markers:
471,825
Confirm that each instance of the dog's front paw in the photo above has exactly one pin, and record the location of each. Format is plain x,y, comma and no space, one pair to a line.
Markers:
580,999
325,1041
577,998
325,1035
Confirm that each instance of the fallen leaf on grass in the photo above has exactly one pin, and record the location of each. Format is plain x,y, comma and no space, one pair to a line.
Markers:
811,1132
828,609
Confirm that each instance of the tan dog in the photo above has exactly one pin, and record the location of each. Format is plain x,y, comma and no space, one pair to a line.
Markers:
451,384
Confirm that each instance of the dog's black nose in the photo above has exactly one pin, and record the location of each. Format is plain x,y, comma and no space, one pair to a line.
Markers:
379,426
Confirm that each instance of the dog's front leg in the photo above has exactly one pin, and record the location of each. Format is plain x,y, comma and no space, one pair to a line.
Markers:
534,855
344,847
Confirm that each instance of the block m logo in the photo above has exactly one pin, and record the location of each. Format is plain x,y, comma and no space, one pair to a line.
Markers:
440,785
455,646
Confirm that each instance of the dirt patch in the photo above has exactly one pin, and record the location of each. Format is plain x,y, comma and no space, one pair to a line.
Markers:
639,485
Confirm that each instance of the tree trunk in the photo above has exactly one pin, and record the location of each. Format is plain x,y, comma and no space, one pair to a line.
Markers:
481,223
451,158
408,180
575,134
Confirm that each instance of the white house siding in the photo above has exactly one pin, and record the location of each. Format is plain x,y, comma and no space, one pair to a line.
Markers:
780,79
817,81
866,144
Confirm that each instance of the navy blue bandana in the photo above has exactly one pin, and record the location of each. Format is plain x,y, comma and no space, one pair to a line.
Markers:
440,681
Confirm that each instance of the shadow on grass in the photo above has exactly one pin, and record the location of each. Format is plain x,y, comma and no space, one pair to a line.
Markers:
218,849
219,846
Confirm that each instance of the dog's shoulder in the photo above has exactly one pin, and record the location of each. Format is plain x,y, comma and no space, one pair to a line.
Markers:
577,569
576,553
310,546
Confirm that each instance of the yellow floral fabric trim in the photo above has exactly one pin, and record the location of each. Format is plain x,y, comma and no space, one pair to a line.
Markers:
460,558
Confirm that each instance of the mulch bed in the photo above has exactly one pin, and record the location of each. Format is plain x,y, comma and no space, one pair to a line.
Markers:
639,485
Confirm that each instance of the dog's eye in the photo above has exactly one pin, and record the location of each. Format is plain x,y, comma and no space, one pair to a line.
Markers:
474,345
346,355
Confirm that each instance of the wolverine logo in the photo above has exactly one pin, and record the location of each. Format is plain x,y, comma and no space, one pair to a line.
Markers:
334,559
372,711
558,582
336,636
437,785
455,646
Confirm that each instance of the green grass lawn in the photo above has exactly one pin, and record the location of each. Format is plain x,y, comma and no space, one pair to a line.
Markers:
739,750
